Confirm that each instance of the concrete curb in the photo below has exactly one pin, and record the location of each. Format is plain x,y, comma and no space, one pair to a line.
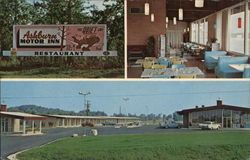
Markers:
13,156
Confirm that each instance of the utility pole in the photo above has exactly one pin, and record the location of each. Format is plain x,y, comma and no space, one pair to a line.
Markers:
125,99
85,106
120,111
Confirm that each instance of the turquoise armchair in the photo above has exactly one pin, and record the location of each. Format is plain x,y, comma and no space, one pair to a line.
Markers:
210,63
223,70
246,73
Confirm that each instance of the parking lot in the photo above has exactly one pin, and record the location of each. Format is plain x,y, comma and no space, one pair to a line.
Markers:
11,144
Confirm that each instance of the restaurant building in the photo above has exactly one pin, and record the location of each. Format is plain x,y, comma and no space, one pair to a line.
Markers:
227,115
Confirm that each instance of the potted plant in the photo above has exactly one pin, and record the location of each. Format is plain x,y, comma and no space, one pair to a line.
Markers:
215,46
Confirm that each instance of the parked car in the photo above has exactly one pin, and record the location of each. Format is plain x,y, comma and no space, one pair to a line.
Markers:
108,123
170,125
119,125
87,124
134,124
209,125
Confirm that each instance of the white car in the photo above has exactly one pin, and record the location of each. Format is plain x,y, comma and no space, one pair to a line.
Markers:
209,125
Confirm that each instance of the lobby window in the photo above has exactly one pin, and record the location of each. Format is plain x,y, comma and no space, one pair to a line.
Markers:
248,30
237,29
219,28
193,32
197,32
201,34
206,31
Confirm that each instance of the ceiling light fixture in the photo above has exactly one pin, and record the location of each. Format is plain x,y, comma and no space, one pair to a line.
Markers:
180,14
199,3
175,22
152,17
146,9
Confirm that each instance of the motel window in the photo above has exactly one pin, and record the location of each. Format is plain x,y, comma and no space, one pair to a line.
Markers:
237,29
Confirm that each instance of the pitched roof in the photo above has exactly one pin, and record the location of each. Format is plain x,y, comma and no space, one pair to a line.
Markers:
236,108
20,115
90,117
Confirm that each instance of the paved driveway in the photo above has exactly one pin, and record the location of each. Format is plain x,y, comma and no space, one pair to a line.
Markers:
12,144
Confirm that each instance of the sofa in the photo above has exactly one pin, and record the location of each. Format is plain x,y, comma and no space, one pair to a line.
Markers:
246,73
210,63
223,70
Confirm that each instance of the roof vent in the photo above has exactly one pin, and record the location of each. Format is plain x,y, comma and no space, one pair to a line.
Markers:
219,102
196,106
203,106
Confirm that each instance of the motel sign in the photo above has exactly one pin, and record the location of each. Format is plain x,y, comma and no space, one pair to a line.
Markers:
60,40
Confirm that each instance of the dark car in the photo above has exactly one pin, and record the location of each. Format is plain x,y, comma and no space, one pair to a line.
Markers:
108,123
87,124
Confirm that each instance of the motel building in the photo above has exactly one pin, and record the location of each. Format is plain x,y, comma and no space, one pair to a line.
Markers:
53,121
206,35
227,116
20,123
29,124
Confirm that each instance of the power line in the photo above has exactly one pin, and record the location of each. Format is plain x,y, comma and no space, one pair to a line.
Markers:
135,95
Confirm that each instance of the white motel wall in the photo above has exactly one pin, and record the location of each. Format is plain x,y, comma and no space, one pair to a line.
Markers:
53,121
24,123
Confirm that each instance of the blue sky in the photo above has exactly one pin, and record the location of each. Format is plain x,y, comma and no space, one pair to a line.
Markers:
144,96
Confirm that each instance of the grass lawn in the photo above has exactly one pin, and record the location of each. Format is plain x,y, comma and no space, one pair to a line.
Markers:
56,72
168,146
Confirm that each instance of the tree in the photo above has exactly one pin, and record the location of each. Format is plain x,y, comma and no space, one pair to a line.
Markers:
12,12
60,12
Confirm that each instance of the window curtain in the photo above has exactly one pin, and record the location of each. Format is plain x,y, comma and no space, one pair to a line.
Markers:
174,38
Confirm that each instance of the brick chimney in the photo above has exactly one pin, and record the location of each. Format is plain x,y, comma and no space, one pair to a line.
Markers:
3,107
219,102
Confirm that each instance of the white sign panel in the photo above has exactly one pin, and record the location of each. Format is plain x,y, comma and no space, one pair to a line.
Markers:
50,37
60,40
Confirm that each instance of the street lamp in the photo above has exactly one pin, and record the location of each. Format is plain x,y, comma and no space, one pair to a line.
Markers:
125,99
84,95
